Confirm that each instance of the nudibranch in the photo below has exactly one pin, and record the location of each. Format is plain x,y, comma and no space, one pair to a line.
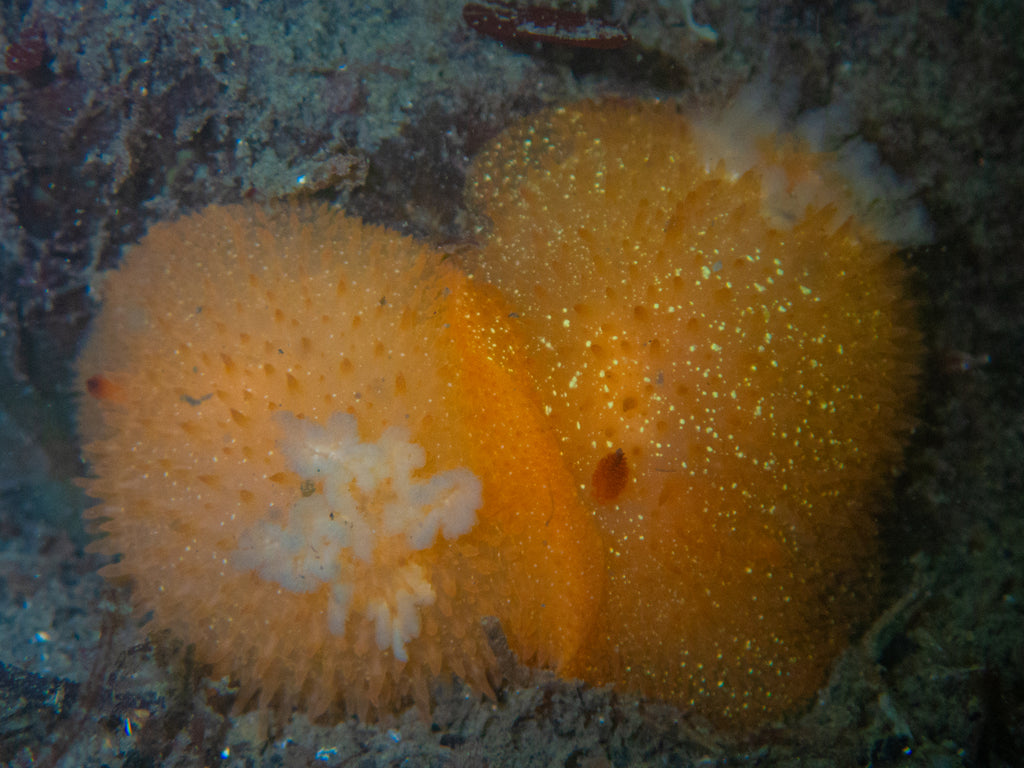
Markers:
317,462
727,357
647,426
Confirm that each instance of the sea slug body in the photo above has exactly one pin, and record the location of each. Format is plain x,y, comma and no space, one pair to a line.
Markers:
728,361
292,421
646,427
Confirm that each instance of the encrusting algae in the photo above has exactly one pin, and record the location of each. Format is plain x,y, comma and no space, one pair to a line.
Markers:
646,427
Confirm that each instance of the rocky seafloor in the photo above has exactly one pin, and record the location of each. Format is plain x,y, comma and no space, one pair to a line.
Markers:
117,114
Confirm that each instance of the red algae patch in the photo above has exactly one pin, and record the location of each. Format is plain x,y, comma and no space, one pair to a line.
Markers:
727,364
319,461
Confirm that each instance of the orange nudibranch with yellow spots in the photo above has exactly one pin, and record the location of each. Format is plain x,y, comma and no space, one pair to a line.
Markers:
738,347
646,426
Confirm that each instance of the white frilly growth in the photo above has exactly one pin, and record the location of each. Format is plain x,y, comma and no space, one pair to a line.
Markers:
368,495
857,183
